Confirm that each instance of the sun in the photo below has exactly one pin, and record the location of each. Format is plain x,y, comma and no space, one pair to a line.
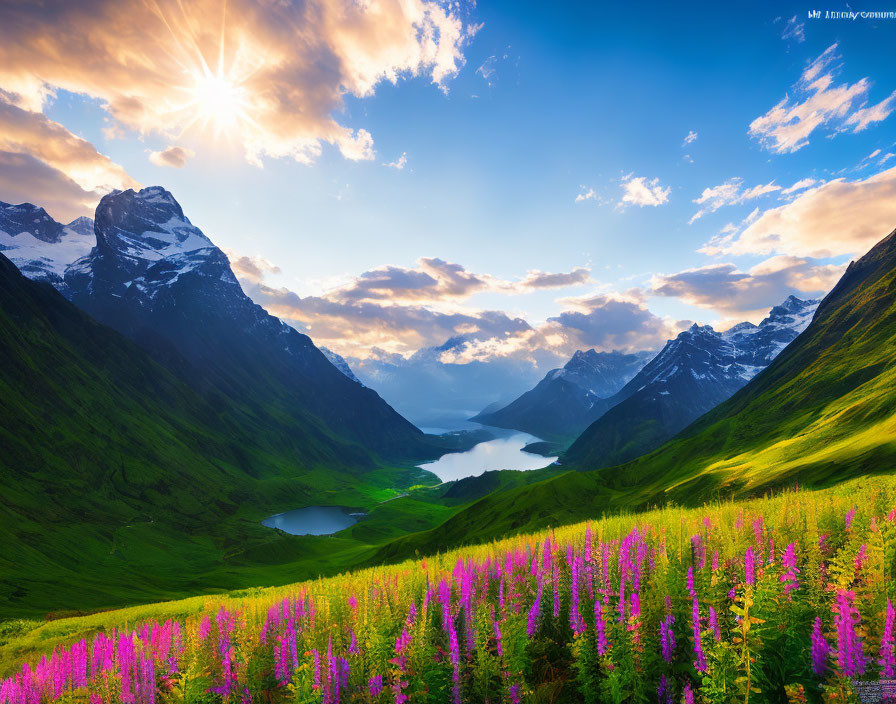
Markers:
218,100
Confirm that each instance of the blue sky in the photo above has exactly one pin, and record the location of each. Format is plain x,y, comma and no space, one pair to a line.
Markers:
548,102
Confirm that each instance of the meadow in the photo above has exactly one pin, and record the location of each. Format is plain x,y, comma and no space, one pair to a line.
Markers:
785,598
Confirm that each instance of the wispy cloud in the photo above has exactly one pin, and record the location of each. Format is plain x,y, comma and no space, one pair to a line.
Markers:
731,192
399,163
794,29
817,101
690,138
586,194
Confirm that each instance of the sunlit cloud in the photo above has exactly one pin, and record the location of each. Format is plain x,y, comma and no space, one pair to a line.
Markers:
396,310
44,161
835,218
175,157
817,101
268,77
690,138
748,295
641,191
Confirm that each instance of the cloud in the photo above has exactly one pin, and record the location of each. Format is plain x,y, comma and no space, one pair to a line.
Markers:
836,218
586,194
794,29
801,185
866,116
541,280
399,163
731,192
689,138
250,268
22,176
487,69
356,327
748,294
396,310
33,133
175,157
637,190
272,77
817,101
41,155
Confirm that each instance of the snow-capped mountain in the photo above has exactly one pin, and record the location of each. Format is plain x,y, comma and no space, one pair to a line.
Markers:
338,361
693,373
569,399
38,245
155,277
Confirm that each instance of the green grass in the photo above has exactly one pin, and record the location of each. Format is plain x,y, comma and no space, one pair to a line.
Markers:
554,665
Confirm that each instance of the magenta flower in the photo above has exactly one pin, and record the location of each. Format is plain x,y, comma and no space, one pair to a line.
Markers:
850,652
688,693
887,658
714,624
750,567
601,627
667,637
535,611
820,649
699,656
663,693
850,515
860,558
375,686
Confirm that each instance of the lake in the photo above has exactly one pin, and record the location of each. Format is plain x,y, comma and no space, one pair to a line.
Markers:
313,520
504,452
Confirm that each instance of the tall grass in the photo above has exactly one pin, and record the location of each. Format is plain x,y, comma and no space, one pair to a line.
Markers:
779,599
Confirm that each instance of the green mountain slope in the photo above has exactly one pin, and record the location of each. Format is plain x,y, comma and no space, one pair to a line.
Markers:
122,484
823,412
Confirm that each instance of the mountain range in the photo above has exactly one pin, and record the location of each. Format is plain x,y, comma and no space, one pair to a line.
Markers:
822,412
568,400
613,407
691,375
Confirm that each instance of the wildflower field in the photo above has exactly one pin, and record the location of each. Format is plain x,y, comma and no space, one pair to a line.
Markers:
786,598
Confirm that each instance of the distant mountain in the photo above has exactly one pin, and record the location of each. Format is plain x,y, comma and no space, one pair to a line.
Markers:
443,394
822,412
38,245
568,400
691,375
155,277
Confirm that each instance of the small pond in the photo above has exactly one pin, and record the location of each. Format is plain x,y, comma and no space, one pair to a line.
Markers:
313,520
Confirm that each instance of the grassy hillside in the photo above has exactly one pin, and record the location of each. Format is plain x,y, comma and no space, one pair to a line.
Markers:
823,412
776,600
121,484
